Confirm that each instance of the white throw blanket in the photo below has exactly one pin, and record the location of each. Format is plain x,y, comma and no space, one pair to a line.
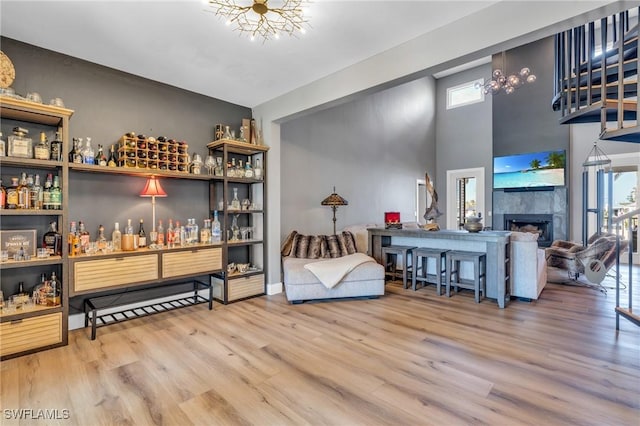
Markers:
331,271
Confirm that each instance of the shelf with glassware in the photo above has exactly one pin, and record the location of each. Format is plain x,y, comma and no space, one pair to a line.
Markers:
33,281
238,197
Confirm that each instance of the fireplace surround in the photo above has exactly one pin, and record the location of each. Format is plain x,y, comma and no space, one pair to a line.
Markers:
540,224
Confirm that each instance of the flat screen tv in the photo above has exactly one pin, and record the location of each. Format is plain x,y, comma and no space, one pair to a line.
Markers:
531,171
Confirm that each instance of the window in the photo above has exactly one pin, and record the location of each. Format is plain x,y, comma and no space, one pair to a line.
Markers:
465,94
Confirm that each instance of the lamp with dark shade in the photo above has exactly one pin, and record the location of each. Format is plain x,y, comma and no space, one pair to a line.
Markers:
334,200
153,189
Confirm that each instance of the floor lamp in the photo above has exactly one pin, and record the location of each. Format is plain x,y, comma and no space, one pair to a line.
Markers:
153,189
334,200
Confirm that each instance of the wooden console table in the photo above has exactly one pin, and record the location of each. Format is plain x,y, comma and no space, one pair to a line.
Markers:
494,243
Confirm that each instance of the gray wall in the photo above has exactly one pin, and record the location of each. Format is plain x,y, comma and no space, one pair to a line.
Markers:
107,104
372,149
464,137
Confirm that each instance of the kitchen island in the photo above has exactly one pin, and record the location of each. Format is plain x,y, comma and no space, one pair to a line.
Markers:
494,243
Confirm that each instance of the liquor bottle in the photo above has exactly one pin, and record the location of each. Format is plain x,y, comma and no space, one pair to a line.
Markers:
100,159
12,194
128,240
52,240
40,290
257,170
88,155
101,241
46,192
170,233
20,144
77,151
216,233
54,296
41,150
35,194
248,170
194,231
85,237
23,192
3,146
55,199
55,148
205,232
3,196
161,238
112,162
142,236
116,237
177,234
71,240
235,202
31,202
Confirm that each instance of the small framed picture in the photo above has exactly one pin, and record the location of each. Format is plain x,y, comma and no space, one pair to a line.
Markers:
12,241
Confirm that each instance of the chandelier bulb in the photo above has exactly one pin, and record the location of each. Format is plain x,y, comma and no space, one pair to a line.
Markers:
531,78
509,90
497,73
525,72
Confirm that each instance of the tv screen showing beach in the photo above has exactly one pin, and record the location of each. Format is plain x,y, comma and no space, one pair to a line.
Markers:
531,170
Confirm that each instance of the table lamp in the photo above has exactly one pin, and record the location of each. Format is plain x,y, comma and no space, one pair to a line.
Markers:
153,189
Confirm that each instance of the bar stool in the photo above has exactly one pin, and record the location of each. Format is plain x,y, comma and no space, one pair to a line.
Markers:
421,256
478,284
390,258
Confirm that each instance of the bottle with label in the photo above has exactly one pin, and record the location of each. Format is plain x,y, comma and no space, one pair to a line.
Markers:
161,238
101,240
205,232
248,170
170,233
177,234
142,236
52,240
88,154
3,146
46,192
116,237
194,231
20,144
41,150
128,237
23,192
216,233
55,148
72,240
113,161
101,159
55,198
3,196
77,157
12,194
35,194
85,237
235,202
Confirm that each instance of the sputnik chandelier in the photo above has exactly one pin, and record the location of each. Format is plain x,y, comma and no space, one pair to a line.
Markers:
508,83
258,19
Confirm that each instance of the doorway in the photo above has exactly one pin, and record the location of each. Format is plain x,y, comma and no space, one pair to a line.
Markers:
465,195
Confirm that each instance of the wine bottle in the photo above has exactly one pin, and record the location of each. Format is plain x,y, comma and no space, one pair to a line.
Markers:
142,236
56,148
56,195
113,162
100,159
160,233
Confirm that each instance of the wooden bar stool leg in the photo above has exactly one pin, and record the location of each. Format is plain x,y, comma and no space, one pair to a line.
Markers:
413,277
476,278
438,273
405,271
448,274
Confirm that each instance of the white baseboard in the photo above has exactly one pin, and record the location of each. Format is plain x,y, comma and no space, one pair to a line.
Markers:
274,288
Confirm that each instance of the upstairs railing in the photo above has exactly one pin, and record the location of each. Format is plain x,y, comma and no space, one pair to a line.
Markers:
595,75
618,223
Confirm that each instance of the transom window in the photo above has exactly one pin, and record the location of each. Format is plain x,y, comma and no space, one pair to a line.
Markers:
465,94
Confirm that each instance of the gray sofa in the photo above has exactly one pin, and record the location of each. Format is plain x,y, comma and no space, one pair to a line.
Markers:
365,280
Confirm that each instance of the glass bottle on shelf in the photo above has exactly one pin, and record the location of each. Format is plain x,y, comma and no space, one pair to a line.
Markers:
3,196
52,240
23,192
161,237
100,159
205,232
56,195
257,170
12,194
216,231
227,133
112,162
75,155
41,150
88,155
41,290
20,144
46,192
248,170
101,241
85,237
116,237
235,202
235,229
55,148
177,234
35,194
71,239
142,236
54,295
128,238
3,146
218,169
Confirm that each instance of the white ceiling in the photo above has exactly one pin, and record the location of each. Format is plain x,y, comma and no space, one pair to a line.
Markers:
183,43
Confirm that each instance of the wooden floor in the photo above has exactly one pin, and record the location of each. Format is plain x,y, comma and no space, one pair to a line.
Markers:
408,358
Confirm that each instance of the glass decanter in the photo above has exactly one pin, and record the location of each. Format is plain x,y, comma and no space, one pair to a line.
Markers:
235,229
235,202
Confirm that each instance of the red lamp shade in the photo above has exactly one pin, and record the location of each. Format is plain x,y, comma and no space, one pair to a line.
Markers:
153,189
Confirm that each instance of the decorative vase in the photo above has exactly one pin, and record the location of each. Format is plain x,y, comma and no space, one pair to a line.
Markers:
473,223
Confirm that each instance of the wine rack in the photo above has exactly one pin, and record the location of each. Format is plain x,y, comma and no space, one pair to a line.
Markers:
153,154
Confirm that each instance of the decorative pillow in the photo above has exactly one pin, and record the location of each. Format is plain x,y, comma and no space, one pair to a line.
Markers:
317,247
523,236
285,249
333,246
300,246
347,243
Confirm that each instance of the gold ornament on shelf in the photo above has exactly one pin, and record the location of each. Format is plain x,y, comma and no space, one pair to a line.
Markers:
7,71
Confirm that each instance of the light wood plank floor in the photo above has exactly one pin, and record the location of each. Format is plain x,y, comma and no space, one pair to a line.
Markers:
409,358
